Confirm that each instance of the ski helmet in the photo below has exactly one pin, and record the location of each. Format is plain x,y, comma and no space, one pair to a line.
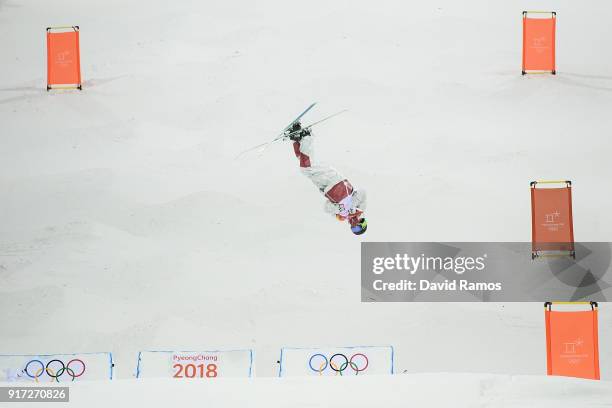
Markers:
360,226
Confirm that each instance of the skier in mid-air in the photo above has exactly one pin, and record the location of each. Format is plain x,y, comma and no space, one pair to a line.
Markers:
343,201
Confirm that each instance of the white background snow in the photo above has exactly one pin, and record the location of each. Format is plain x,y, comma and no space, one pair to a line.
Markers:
127,224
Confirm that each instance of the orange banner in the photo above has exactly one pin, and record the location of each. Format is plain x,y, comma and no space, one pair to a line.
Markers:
572,344
552,226
539,44
63,59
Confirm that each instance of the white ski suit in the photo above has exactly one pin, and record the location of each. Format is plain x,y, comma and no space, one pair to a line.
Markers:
342,199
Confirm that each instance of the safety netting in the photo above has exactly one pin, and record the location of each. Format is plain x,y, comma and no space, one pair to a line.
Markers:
552,229
572,345
63,58
539,41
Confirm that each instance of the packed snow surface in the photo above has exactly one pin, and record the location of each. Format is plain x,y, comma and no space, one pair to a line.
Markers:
411,390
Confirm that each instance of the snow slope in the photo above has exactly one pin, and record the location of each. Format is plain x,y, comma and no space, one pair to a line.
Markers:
127,224
419,390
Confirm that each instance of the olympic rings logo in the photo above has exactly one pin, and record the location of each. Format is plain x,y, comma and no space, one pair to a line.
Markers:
339,363
55,369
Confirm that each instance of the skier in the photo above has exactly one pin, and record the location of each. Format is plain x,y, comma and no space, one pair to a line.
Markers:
343,201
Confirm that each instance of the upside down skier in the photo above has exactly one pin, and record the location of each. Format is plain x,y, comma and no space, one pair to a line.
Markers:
343,201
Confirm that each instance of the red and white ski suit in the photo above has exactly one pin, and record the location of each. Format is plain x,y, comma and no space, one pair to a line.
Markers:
342,199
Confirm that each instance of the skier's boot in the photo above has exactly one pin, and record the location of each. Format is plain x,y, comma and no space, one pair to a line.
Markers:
296,132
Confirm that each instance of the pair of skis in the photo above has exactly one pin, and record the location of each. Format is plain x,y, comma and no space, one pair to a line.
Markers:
283,135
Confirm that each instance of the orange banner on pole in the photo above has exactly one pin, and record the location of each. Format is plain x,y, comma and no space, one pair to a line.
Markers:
539,43
552,225
572,344
63,58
